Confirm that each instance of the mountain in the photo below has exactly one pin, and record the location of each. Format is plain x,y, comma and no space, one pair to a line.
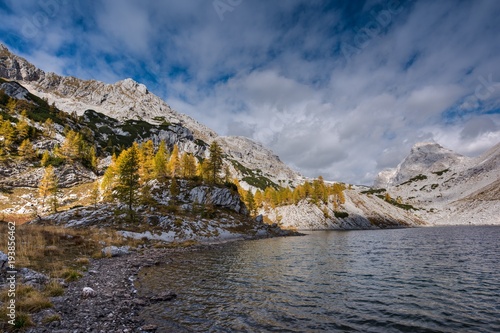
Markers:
127,101
447,187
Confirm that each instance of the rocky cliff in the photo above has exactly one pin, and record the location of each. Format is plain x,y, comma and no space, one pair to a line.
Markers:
128,100
447,187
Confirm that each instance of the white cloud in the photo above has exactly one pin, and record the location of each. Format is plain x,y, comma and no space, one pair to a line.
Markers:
273,71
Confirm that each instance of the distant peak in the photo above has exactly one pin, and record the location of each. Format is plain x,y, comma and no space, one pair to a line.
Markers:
3,47
131,84
426,144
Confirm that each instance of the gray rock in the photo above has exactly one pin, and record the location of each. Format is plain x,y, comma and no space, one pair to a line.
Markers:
217,196
4,259
114,251
32,277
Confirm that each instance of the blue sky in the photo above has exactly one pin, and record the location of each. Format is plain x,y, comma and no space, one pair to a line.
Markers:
337,88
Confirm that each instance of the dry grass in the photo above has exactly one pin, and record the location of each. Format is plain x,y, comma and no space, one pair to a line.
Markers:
53,249
53,289
28,299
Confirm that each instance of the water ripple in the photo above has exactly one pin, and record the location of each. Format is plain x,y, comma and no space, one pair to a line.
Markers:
411,280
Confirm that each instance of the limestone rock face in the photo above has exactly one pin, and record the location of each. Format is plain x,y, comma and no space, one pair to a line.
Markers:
14,90
128,99
424,158
222,197
447,187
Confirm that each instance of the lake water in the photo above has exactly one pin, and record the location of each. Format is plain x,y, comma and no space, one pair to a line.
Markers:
444,279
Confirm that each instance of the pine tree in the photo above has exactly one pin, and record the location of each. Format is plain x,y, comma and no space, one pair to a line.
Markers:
127,171
26,150
214,163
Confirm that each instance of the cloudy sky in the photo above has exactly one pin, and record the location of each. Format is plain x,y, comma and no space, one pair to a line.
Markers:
341,89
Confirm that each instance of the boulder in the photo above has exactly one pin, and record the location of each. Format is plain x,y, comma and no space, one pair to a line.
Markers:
218,196
88,292
114,251
31,277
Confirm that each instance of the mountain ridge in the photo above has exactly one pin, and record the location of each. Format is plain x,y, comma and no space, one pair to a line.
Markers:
128,99
448,187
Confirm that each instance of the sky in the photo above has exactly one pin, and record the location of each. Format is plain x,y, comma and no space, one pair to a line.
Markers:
341,89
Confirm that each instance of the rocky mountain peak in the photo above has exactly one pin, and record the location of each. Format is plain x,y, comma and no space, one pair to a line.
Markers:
424,157
130,84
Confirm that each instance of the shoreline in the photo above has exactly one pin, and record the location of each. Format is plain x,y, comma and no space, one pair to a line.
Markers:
116,305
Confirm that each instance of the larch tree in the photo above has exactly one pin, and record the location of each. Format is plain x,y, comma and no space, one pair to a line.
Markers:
48,187
188,165
109,180
11,106
259,198
49,128
26,150
71,147
127,172
174,164
250,202
160,163
23,129
8,134
214,163
146,161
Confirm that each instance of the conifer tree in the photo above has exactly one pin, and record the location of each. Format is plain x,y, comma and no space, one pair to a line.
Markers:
250,202
26,150
109,180
174,164
45,158
214,163
8,133
146,161
71,147
49,128
48,187
11,106
93,160
188,165
94,194
259,198
23,129
160,163
127,172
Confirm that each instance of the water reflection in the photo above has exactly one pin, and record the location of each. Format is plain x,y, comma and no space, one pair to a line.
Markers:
406,280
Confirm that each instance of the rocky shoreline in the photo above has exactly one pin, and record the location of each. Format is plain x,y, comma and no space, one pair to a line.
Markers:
114,304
